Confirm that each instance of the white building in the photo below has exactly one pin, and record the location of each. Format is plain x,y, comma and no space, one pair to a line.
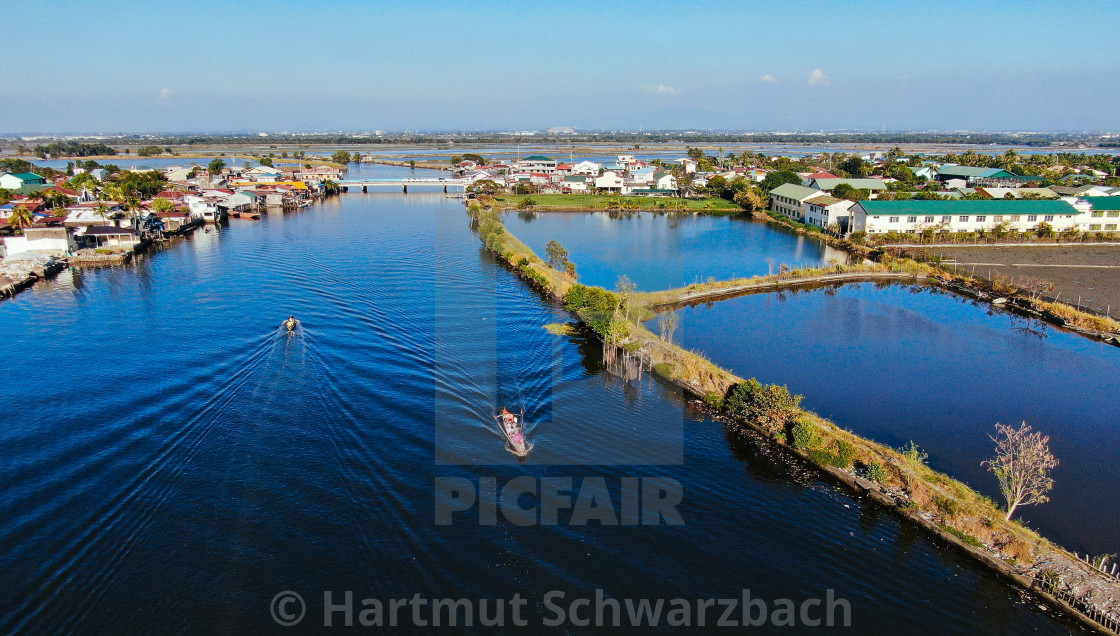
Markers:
578,183
790,199
39,241
610,181
537,163
589,168
880,217
664,181
827,212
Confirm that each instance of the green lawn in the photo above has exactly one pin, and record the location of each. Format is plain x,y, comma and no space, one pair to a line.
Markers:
600,201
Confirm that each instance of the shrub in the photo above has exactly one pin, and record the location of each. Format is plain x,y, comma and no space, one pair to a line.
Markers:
908,505
1049,579
713,400
769,405
846,452
876,472
948,507
825,458
665,370
805,435
963,536
596,300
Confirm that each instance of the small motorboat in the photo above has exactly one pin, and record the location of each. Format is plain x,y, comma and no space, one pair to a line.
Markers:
512,426
291,323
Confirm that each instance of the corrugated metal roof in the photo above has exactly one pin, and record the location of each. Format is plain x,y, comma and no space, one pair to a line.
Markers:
860,184
1103,203
794,191
825,200
994,207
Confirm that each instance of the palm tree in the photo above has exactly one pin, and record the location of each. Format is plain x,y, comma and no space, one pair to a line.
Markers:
1010,158
21,217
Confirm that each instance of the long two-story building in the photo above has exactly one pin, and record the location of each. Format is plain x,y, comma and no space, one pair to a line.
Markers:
915,216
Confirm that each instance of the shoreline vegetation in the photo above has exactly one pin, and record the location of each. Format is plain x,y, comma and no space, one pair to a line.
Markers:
897,479
1030,302
606,202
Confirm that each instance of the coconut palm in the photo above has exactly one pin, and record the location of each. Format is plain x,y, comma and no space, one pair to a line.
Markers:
21,217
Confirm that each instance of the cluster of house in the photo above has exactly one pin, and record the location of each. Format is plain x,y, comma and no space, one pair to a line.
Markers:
627,175
193,197
1005,201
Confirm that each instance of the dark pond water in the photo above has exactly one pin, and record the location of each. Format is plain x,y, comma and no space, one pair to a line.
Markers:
171,460
898,363
660,251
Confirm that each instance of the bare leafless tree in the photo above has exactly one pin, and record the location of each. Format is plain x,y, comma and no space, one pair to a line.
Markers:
1036,287
625,288
667,323
1022,465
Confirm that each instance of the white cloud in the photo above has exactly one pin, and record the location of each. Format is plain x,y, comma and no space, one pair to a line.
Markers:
769,79
818,78
164,93
663,89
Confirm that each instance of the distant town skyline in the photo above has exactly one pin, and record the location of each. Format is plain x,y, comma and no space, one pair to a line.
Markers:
255,66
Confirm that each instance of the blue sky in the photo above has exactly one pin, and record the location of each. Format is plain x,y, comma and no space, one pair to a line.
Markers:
309,65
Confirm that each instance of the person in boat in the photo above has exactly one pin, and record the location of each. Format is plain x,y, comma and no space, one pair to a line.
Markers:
291,323
510,419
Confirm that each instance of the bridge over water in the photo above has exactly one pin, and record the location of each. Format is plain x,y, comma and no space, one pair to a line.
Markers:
402,183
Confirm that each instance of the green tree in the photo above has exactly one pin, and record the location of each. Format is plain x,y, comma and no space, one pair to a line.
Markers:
162,205
846,191
266,161
855,167
749,200
83,181
216,166
718,186
470,156
341,157
696,153
557,255
356,157
779,177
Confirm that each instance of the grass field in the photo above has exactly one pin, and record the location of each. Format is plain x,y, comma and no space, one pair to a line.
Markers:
601,201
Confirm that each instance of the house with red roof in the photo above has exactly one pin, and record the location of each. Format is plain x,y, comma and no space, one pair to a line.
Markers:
806,179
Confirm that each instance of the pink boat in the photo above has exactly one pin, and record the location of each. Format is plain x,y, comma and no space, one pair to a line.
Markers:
512,426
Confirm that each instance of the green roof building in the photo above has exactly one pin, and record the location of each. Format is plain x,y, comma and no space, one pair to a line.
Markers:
905,217
17,180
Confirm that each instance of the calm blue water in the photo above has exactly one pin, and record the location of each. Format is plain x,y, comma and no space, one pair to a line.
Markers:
660,251
898,363
171,460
